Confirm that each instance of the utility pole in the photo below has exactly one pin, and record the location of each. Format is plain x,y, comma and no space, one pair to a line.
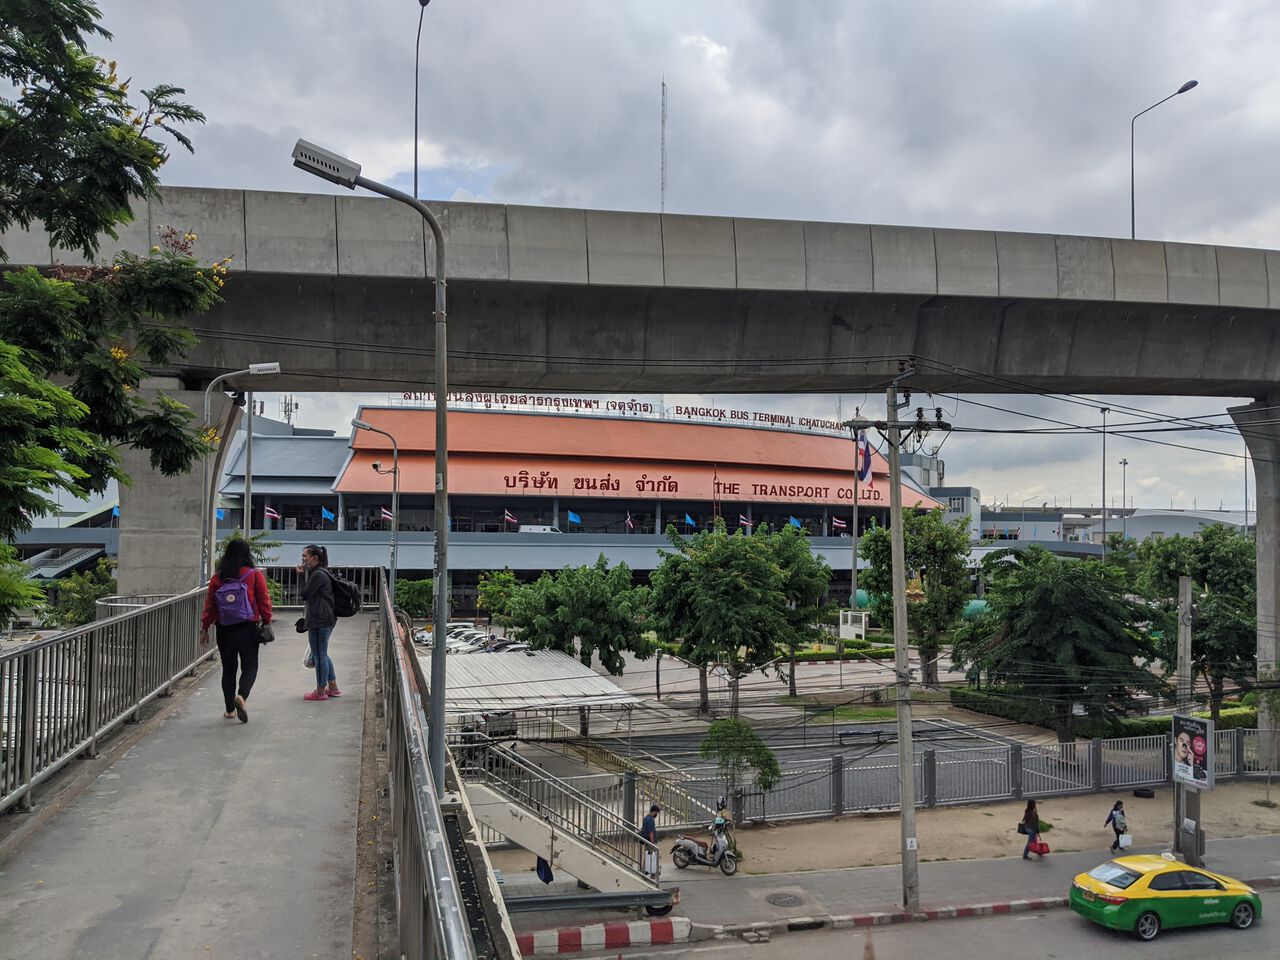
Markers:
892,429
1186,802
1105,411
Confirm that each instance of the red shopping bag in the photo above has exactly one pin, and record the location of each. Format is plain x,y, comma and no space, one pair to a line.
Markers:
1040,847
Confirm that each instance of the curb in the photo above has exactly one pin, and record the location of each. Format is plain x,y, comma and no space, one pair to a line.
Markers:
642,933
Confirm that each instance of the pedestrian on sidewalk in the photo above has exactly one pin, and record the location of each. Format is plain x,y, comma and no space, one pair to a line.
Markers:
319,618
649,831
236,601
1116,820
1030,826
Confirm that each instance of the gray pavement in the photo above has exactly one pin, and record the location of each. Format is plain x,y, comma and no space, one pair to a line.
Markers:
209,837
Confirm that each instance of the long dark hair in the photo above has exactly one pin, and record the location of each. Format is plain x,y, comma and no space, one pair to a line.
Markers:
318,551
1030,811
236,556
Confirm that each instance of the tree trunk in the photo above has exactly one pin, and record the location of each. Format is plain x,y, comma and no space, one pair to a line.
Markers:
929,663
1216,683
584,721
791,680
1062,722
704,698
733,695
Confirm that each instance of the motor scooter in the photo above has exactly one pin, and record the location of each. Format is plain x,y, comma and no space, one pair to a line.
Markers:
689,851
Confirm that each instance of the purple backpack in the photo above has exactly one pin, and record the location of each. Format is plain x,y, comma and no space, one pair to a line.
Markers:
232,601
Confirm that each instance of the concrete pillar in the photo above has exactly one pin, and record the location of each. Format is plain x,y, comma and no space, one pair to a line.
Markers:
657,517
342,512
929,774
1015,771
1095,762
837,785
555,511
629,797
1261,434
159,515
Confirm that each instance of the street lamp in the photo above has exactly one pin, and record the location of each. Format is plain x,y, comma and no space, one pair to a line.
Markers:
1124,503
1022,520
1133,219
1105,411
346,173
395,494
208,525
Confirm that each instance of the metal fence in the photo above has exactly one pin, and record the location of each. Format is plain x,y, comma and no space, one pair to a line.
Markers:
60,694
368,579
966,776
1134,761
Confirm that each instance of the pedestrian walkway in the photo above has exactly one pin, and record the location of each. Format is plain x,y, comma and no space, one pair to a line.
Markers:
209,837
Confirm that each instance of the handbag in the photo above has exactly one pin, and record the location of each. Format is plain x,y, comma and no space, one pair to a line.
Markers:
1040,847
300,625
266,634
1022,828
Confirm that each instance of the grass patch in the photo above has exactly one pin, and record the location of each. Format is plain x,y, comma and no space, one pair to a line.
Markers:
866,713
1269,804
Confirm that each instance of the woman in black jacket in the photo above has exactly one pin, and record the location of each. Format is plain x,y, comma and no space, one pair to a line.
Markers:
319,618
1031,827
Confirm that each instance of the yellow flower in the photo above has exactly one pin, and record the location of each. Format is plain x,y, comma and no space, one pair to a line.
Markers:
155,249
119,354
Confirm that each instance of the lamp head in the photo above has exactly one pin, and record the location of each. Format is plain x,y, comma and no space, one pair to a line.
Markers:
377,465
361,424
325,164
258,369
1188,86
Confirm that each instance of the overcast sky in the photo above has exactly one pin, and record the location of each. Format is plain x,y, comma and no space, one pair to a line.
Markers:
995,115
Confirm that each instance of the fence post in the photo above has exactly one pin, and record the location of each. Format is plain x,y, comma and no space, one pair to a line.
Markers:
629,796
1168,758
1237,747
27,730
1095,762
92,690
135,691
837,785
1015,770
929,774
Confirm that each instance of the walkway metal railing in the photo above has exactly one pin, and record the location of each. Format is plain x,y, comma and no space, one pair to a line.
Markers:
60,694
369,579
432,919
552,799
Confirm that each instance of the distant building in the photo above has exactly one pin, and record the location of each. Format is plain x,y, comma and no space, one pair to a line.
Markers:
1158,524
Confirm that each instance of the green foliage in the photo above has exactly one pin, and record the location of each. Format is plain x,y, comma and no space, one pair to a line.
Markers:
17,592
494,594
722,597
851,652
78,594
805,577
261,547
737,749
934,550
74,156
1063,629
592,611
416,596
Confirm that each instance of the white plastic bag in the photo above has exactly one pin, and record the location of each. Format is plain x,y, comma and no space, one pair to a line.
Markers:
1126,841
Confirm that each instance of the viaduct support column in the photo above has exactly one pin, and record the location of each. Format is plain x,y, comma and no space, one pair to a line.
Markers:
160,536
1262,436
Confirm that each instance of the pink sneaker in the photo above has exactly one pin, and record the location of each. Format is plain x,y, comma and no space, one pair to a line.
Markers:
333,692
313,695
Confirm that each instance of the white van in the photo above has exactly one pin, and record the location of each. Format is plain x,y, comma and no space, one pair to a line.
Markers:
538,528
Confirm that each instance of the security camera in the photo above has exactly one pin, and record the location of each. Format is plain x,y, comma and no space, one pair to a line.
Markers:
377,465
325,164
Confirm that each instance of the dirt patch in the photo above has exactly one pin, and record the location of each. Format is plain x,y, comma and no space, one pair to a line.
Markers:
970,832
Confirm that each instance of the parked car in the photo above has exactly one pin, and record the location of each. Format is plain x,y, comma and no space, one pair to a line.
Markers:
1145,894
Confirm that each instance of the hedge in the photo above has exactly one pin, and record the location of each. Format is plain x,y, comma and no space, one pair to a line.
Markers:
869,653
1009,705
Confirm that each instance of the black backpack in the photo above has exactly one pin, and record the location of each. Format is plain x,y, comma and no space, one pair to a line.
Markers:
346,596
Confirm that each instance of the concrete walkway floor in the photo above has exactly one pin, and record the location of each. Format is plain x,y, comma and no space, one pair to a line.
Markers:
209,838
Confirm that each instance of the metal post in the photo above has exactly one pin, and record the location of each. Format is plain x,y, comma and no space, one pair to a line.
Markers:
837,785
246,521
629,796
1105,411
906,749
29,727
1124,501
1189,807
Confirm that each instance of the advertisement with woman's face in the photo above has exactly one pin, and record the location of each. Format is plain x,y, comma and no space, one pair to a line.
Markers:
1192,752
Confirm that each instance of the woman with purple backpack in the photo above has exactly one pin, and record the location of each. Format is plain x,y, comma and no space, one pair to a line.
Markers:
237,602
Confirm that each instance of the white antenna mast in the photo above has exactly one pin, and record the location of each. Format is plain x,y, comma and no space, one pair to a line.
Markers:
662,203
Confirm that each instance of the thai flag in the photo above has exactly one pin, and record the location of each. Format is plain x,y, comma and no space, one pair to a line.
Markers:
270,514
838,524
744,522
631,524
864,456
509,517
387,514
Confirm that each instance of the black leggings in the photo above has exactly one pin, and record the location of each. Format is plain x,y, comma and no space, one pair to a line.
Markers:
1119,833
240,640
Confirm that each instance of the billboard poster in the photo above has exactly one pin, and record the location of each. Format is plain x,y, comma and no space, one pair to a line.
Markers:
1193,752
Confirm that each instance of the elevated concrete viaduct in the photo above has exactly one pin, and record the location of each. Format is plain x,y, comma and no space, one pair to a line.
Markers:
338,289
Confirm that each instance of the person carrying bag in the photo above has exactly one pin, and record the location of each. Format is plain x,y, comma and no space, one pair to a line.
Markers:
1120,825
238,603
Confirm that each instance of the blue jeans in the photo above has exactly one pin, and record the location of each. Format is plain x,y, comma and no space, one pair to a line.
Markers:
318,638
1031,838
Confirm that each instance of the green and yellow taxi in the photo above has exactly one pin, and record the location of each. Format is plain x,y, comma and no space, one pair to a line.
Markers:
1145,894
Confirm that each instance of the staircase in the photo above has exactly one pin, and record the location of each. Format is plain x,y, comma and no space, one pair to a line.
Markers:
549,818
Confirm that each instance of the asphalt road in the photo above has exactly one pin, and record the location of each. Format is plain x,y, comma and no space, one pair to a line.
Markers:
1050,935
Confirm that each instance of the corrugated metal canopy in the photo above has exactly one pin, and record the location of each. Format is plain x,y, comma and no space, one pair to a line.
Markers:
531,680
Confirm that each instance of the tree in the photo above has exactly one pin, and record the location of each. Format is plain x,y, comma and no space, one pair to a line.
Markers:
78,594
805,578
934,550
416,596
722,598
17,591
737,749
590,612
1062,631
74,154
495,589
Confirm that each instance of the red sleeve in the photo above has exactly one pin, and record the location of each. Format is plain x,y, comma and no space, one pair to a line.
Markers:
210,615
262,598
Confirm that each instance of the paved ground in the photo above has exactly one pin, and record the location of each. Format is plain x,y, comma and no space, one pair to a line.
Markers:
1031,936
209,837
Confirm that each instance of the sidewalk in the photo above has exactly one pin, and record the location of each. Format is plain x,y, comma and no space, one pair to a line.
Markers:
209,837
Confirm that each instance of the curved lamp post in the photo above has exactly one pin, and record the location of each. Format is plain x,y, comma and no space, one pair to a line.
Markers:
395,495
1133,218
330,166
